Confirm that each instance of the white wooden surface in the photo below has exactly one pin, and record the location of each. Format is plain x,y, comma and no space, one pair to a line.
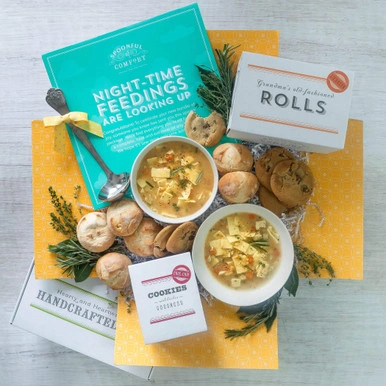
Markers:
327,335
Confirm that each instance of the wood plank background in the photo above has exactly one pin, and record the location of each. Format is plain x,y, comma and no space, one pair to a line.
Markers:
327,335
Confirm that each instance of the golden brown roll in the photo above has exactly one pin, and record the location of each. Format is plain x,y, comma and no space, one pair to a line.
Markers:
93,233
232,157
238,187
113,270
141,242
123,217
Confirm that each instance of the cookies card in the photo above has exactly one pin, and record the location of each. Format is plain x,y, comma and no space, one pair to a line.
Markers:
167,298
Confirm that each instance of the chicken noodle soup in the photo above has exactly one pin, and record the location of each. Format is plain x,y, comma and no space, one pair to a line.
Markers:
242,250
175,179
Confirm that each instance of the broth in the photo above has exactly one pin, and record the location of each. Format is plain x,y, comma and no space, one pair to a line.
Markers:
242,250
175,179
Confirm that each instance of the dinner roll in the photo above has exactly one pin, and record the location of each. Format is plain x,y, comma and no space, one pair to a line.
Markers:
238,187
231,157
141,242
113,270
93,232
123,217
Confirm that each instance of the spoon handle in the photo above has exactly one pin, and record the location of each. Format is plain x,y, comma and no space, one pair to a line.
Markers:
55,98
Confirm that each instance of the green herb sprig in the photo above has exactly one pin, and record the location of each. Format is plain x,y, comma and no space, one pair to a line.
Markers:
71,256
73,259
264,313
255,316
217,89
310,264
63,219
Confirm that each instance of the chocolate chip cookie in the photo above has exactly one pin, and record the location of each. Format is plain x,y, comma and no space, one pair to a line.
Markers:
292,182
206,131
161,240
181,240
269,201
266,163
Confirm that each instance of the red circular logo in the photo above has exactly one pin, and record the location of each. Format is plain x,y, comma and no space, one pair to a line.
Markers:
337,81
181,274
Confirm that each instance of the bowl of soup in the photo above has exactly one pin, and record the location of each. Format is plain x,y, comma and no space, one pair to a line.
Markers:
174,179
242,254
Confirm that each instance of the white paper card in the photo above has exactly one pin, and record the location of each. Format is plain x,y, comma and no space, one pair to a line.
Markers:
297,105
167,298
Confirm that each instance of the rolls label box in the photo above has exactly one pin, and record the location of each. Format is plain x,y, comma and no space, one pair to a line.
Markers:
292,104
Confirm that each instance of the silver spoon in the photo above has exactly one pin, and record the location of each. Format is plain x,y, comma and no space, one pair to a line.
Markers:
117,184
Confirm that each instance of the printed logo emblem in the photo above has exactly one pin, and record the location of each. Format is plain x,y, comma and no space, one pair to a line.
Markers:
181,274
337,81
127,57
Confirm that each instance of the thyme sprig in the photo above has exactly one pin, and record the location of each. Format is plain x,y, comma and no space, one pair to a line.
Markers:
310,264
75,260
217,89
63,219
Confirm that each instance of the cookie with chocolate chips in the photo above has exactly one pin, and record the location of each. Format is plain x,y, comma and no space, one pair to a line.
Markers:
206,131
292,182
161,240
181,240
267,162
269,201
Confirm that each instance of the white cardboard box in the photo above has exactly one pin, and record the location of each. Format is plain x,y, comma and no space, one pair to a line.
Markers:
80,316
167,298
296,105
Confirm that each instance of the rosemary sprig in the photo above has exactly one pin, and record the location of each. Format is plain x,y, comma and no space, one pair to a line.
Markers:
265,312
62,219
311,264
198,179
76,260
255,316
217,89
176,170
70,254
261,243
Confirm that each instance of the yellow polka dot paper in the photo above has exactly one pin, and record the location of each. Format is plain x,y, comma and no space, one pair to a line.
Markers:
207,349
60,171
333,227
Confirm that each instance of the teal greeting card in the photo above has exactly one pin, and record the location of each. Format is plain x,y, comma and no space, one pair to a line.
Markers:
138,82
